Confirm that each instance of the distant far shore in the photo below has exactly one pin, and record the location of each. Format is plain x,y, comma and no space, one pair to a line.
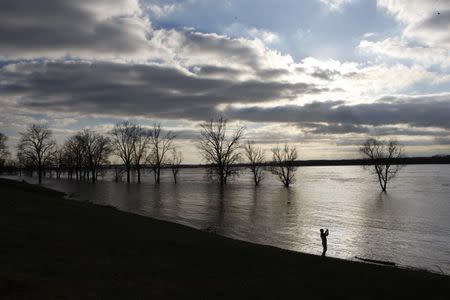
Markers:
426,160
52,247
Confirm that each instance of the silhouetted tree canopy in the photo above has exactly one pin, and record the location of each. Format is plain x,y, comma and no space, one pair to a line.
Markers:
220,147
160,145
36,146
123,142
175,162
96,149
382,154
140,148
4,153
283,164
255,156
75,155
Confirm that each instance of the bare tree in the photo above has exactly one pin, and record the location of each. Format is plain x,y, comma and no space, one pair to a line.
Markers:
160,145
68,161
255,156
219,148
283,164
74,148
141,144
382,155
123,143
175,162
118,173
36,145
96,148
4,153
59,160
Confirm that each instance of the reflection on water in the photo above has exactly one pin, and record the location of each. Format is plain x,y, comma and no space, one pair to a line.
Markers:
410,225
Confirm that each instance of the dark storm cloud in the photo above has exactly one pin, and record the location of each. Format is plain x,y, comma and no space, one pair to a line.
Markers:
116,30
325,74
427,111
339,129
166,92
235,50
411,142
443,140
48,28
121,89
211,70
273,73
334,128
250,56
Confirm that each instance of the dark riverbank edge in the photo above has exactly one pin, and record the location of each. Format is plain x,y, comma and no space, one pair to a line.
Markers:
51,247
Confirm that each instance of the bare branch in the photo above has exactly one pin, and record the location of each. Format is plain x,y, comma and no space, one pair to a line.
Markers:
381,155
255,157
283,164
37,147
219,148
160,145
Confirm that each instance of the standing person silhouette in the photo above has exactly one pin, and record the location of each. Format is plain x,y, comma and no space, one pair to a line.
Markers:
323,236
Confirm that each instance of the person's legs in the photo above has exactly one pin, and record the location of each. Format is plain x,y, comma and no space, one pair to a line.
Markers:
324,249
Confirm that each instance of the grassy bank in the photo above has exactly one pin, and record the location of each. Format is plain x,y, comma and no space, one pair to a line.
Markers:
56,248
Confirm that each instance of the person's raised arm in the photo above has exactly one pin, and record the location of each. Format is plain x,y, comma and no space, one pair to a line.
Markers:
326,232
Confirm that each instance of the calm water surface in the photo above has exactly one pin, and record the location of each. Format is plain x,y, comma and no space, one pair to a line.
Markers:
410,225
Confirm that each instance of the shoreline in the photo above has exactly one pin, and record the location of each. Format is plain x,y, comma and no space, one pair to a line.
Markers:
49,209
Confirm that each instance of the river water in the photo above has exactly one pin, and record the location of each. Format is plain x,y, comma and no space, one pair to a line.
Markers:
409,225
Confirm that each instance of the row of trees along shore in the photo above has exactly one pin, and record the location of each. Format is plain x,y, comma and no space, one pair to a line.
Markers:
85,155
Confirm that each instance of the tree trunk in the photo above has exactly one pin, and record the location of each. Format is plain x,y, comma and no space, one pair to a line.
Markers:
39,175
381,183
128,173
222,176
138,173
255,177
384,186
93,174
39,170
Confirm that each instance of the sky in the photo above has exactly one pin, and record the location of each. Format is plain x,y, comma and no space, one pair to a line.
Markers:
322,74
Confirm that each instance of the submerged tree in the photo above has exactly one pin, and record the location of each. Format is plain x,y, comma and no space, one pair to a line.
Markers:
75,156
59,161
220,148
123,143
4,153
382,155
283,164
175,162
141,144
255,156
96,149
160,145
37,146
